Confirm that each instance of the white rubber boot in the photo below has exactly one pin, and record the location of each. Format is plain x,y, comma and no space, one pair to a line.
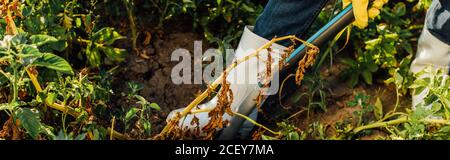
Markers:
243,80
430,52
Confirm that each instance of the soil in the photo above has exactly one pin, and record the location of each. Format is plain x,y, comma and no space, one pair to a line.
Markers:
154,71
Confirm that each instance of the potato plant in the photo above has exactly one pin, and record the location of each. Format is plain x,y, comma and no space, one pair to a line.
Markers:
21,56
48,99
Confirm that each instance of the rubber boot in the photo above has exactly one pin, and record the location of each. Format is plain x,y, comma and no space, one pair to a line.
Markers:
430,52
243,81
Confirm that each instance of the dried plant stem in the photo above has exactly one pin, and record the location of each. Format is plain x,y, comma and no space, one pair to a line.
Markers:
256,123
402,119
174,121
240,115
112,128
134,31
201,110
117,135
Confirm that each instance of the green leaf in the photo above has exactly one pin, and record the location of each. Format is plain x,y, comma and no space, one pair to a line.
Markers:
430,99
96,135
87,20
58,46
400,9
420,112
352,103
5,106
11,106
135,87
48,130
83,116
408,48
389,49
349,62
378,110
372,67
367,76
3,79
93,55
26,11
81,136
418,90
115,54
247,8
78,22
106,36
155,106
54,62
389,80
42,39
264,137
354,78
147,126
398,79
131,114
51,97
293,136
18,39
30,50
141,99
415,85
436,106
391,37
371,44
30,121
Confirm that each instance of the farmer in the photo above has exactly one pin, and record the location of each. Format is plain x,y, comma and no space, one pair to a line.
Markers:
294,17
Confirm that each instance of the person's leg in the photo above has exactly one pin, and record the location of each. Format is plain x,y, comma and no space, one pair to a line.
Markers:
280,18
438,20
287,17
434,43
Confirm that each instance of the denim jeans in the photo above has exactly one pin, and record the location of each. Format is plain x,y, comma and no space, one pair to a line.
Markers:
294,17
287,17
438,20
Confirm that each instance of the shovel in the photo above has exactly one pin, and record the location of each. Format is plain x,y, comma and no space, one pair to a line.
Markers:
321,37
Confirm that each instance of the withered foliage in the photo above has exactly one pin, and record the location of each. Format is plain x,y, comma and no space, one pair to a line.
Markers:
268,73
284,56
269,64
257,134
225,98
181,132
11,130
307,61
9,10
259,99
195,122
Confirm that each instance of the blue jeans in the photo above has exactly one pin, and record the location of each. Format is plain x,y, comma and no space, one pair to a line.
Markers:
438,20
287,17
294,17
